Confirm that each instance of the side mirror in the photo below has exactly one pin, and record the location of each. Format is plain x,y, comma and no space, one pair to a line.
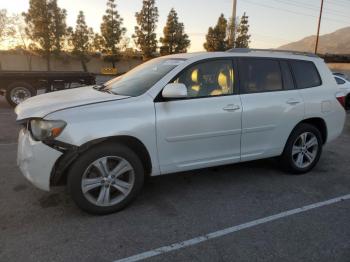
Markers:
175,90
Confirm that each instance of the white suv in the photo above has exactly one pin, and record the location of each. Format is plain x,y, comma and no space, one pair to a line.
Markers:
178,113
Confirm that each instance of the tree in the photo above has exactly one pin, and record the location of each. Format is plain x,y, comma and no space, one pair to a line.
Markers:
46,26
58,27
22,43
216,39
5,25
38,20
81,39
243,38
124,44
97,43
112,31
145,37
175,40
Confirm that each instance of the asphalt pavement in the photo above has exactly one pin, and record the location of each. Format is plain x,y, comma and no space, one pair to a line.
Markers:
41,226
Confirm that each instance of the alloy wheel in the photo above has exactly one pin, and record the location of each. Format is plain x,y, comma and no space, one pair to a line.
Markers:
305,149
107,181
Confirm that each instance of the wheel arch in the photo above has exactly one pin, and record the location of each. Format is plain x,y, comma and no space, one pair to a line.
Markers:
59,172
286,158
9,83
317,122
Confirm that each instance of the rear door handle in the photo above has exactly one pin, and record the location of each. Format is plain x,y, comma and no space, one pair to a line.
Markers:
231,108
293,101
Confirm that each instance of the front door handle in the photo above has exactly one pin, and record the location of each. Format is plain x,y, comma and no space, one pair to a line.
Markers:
293,101
231,108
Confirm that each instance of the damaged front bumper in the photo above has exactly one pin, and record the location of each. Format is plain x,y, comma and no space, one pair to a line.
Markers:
36,160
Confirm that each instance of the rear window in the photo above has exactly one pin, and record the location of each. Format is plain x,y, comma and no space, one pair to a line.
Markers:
260,75
306,74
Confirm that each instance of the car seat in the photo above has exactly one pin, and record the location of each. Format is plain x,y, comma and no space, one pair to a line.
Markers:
225,80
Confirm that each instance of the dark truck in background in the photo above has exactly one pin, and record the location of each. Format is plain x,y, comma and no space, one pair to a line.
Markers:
18,86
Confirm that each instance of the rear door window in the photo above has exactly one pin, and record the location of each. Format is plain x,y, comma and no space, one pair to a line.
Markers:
306,74
260,75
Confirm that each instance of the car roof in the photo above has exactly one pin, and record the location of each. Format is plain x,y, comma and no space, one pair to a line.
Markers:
338,74
250,53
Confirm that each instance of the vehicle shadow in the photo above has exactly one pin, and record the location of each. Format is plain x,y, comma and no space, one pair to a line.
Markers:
9,129
208,179
215,180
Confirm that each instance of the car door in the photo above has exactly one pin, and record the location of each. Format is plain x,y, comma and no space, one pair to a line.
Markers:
203,129
272,106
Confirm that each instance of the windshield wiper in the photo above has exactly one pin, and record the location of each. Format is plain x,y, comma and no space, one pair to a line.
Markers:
108,91
99,87
104,88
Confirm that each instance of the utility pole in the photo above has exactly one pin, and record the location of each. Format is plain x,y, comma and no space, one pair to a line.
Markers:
233,23
318,28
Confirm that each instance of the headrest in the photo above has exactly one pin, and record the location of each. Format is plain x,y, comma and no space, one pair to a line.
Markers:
194,76
273,82
222,79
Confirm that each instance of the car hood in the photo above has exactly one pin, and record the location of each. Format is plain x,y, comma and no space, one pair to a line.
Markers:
42,105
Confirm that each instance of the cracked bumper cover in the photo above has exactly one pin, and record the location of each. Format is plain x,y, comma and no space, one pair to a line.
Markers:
36,160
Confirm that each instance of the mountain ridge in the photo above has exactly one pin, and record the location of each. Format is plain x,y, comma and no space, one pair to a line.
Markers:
337,42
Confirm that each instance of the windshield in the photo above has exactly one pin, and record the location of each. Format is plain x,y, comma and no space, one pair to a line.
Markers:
142,78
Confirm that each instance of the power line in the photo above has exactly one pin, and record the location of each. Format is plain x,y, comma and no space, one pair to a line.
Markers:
297,4
276,8
269,36
316,7
294,12
306,4
342,4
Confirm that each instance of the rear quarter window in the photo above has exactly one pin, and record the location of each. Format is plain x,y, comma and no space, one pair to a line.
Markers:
306,74
339,81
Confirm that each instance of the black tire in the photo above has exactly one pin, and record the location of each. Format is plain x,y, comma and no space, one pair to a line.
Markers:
78,168
287,161
24,86
347,102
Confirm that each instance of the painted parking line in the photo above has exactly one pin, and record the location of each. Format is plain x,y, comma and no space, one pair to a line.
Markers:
230,230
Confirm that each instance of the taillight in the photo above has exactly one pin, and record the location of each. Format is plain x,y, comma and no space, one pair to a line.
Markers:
341,99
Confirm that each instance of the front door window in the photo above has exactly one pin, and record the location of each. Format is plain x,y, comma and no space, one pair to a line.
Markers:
211,78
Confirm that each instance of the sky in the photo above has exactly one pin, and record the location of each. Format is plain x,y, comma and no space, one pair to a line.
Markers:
272,22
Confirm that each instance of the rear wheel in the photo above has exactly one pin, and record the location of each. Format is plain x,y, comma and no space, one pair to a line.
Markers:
18,92
105,179
303,149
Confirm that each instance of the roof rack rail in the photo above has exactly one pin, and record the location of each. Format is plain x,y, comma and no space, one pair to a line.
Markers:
248,50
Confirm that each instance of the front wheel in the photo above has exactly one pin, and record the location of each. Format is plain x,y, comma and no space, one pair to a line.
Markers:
105,179
303,149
